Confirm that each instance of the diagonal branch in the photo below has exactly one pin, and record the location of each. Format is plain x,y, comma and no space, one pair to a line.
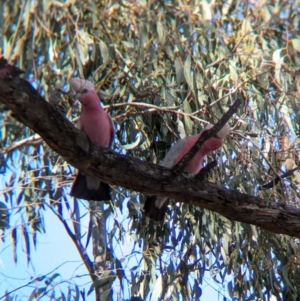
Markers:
275,181
81,250
180,166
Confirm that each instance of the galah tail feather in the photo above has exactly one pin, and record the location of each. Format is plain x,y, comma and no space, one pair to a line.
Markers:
99,127
155,207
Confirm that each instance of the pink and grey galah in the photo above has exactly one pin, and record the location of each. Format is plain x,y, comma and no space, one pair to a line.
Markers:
99,127
155,207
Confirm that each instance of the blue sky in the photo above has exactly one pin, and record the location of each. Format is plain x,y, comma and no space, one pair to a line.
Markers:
56,253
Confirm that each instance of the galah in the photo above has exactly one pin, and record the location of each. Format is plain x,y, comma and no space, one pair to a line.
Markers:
98,126
155,207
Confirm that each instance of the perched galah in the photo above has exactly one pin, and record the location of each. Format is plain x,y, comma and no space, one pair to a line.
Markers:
97,124
155,207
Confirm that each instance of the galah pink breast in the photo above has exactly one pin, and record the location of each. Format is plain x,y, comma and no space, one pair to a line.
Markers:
155,207
99,127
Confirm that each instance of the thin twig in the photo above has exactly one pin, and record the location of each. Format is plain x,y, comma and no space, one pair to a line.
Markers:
274,182
261,153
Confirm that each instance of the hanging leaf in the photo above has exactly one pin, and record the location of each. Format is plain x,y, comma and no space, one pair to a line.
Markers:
161,33
14,243
187,120
27,242
246,27
104,52
187,72
180,129
157,290
296,44
179,71
276,55
207,15
4,216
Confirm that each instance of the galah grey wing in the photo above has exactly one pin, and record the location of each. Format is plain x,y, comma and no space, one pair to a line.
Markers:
155,207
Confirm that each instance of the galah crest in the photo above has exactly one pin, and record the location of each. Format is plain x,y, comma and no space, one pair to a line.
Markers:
99,127
155,207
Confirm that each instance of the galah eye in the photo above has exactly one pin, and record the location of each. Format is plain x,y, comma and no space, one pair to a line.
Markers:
84,91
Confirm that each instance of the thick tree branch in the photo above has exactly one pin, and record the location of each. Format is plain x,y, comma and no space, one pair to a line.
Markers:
58,132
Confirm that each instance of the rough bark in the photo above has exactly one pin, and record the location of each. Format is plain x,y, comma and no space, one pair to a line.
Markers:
58,132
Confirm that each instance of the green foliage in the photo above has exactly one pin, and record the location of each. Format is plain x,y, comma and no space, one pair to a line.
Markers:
46,287
159,66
